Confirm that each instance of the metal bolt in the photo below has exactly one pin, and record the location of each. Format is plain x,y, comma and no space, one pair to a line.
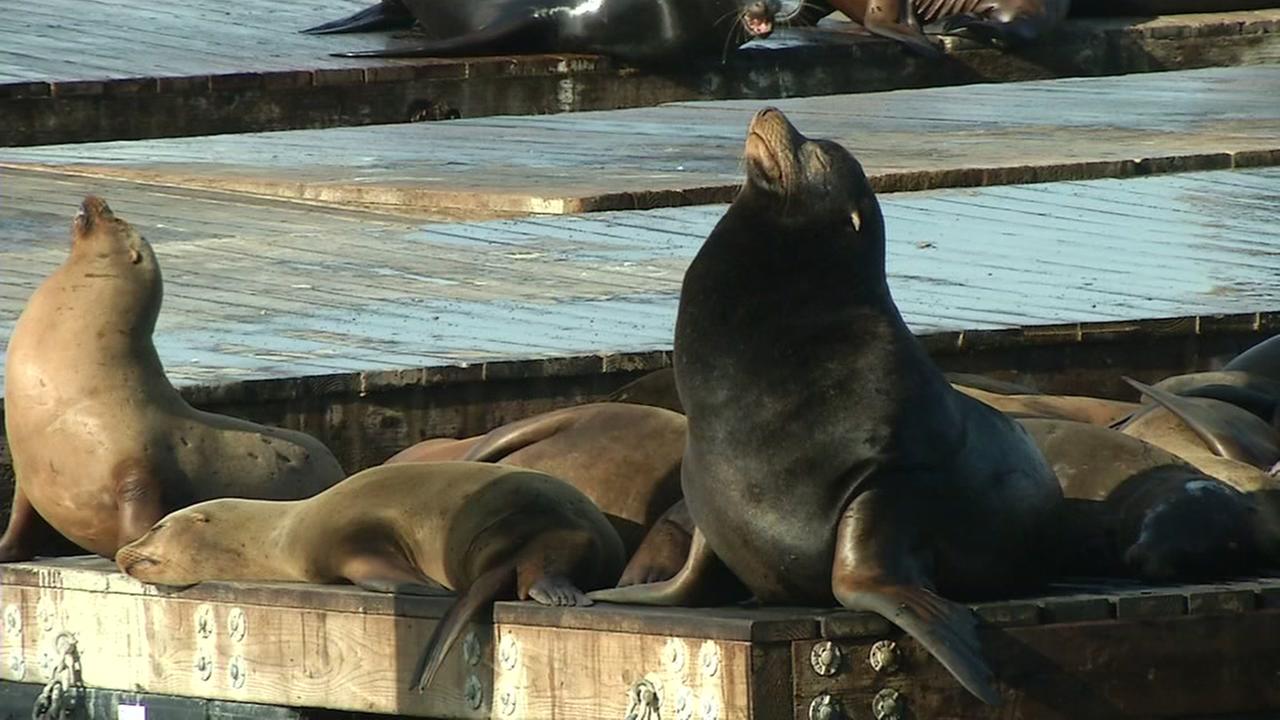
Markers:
888,704
825,707
237,672
508,652
471,648
710,708
825,658
684,703
473,692
709,658
45,613
674,654
237,624
507,701
17,668
12,620
204,622
884,656
47,662
204,667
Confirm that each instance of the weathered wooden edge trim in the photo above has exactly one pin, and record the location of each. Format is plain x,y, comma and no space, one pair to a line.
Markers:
405,91
361,384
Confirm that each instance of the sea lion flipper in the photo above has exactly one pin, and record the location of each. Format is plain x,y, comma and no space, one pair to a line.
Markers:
905,34
557,590
686,588
25,525
386,15
1220,439
503,441
482,593
946,629
662,551
384,573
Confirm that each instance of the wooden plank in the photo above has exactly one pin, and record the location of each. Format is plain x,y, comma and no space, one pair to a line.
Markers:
688,153
238,66
259,288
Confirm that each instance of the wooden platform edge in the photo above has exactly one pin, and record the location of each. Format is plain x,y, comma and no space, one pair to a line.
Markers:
34,113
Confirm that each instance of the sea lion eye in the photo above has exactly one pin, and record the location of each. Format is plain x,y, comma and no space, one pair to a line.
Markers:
199,517
856,218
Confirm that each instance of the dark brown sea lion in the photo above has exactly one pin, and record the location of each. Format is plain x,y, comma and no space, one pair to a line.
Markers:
483,530
657,389
626,458
828,459
1263,359
1134,509
103,446
650,32
1222,428
386,15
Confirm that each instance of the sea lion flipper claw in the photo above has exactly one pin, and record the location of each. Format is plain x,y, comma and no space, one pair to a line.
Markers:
559,591
686,588
946,629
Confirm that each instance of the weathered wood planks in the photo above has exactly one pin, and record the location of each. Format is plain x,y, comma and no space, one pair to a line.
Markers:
99,70
260,288
690,153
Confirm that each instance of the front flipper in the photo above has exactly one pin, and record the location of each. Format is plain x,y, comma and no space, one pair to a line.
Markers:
663,550
1227,430
386,15
387,574
686,588
559,591
24,531
877,569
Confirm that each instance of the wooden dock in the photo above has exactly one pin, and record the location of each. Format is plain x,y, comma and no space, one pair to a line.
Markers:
79,70
685,153
1091,648
259,288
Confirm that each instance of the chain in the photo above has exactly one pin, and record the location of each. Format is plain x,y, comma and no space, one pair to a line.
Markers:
65,690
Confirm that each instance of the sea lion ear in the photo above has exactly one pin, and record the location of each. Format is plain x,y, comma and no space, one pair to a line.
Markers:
855,217
135,255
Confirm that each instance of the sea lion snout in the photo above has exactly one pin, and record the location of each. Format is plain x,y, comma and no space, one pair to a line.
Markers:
758,17
93,210
772,142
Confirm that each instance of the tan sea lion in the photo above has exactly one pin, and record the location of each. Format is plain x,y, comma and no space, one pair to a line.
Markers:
828,460
483,530
1097,411
625,457
1198,426
103,446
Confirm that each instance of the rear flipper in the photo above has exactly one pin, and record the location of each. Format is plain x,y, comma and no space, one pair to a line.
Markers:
494,38
1014,33
482,593
386,15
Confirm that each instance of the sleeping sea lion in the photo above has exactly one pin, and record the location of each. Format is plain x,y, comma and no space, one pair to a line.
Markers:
1098,411
828,460
626,458
103,446
1191,426
1134,509
659,32
1004,23
482,530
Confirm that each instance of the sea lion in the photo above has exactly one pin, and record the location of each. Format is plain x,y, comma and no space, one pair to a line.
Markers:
103,446
625,457
1098,411
1204,425
828,460
1004,23
1134,509
657,389
483,530
646,32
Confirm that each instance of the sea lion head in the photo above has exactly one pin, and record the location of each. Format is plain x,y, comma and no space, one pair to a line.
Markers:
107,249
171,551
758,17
1204,531
810,182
